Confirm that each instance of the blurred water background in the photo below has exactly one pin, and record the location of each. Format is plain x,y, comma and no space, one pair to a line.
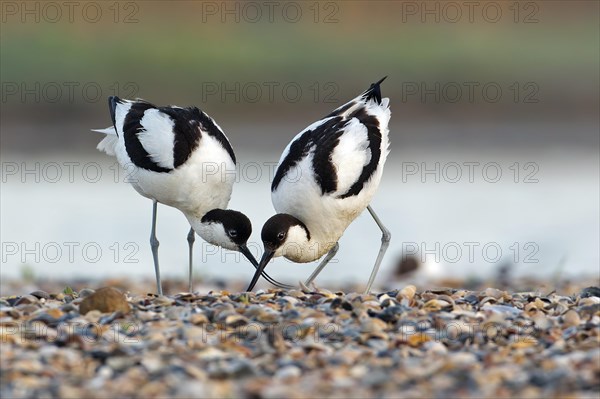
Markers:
494,132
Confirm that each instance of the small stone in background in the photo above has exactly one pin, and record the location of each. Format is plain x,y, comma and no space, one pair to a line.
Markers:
106,300
288,373
40,294
571,318
590,291
26,300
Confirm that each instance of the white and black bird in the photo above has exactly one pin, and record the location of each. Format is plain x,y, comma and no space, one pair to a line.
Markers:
182,159
326,177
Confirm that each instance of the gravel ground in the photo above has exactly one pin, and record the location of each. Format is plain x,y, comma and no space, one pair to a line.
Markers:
443,342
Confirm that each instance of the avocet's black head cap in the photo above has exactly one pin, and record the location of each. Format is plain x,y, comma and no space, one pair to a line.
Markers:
275,231
237,226
274,235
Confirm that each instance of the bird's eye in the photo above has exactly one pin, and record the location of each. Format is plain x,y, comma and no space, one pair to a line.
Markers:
281,236
232,233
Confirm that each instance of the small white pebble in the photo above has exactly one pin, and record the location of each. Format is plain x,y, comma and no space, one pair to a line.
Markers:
288,372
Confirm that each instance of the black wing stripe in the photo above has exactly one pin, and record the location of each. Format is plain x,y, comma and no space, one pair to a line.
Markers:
187,133
189,124
374,138
300,149
326,139
136,151
208,125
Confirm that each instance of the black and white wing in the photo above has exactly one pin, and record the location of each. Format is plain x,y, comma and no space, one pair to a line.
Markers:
341,152
159,139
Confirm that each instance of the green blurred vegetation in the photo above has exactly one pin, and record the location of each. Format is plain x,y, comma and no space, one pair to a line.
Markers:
175,47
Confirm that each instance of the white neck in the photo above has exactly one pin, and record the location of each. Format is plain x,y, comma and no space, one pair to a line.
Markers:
298,248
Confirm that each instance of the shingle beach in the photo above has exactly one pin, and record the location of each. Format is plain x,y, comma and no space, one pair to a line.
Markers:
406,342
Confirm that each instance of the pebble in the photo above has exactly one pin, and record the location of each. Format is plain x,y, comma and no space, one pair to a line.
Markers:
153,363
571,318
105,300
26,300
590,291
40,294
493,293
120,363
587,301
198,319
502,309
408,292
288,373
435,348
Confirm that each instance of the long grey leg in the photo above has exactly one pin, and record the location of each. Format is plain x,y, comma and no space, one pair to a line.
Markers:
386,236
154,245
190,239
323,263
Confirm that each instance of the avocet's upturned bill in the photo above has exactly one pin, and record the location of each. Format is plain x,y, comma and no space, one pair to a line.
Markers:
326,177
184,160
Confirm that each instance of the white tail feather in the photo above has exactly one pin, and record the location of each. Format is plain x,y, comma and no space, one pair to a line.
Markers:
107,130
108,144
